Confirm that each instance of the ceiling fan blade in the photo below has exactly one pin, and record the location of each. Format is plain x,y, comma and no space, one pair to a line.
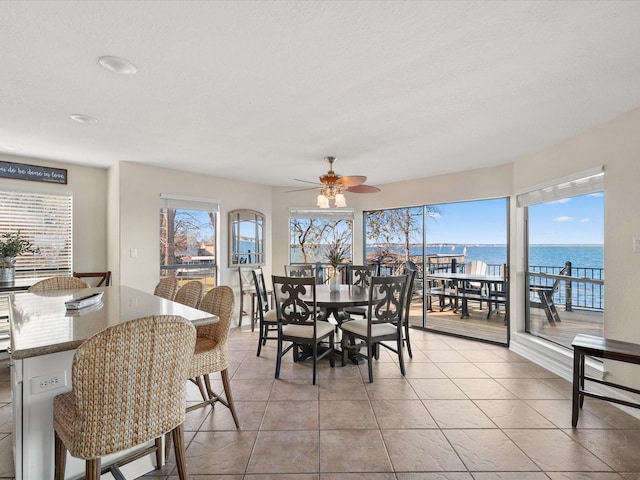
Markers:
305,181
302,189
363,189
352,180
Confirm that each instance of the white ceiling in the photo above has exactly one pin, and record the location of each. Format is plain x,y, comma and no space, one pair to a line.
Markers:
262,91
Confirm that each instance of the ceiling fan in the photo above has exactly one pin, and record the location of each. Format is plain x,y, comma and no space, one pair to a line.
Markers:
332,186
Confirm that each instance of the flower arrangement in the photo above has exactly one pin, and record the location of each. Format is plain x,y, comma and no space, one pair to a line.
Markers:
14,244
336,253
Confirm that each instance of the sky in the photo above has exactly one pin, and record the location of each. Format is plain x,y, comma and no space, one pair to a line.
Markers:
576,221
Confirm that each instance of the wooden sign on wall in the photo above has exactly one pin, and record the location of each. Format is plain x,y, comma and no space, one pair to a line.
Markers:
23,171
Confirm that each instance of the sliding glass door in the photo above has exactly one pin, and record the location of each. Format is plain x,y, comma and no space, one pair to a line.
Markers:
464,238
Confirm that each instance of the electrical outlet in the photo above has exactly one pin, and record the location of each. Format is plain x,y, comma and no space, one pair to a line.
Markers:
47,382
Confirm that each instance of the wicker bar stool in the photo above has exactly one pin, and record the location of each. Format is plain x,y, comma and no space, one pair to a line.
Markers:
211,352
128,389
190,294
167,288
58,283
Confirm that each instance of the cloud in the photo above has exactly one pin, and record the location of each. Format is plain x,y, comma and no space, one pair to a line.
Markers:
563,219
585,220
562,200
597,194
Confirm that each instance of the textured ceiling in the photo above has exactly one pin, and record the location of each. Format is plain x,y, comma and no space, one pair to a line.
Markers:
262,91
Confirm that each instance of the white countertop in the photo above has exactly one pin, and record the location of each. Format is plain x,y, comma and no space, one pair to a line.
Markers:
41,324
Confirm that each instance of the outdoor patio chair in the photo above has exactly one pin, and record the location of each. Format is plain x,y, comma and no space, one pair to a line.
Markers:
545,294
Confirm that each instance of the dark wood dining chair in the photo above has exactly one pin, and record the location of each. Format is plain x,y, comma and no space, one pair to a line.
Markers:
267,317
296,307
101,279
384,322
359,275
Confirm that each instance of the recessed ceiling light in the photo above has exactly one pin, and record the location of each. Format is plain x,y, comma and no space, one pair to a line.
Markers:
83,118
118,65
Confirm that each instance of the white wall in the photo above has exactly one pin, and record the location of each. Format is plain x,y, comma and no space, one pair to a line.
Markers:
88,187
616,145
139,189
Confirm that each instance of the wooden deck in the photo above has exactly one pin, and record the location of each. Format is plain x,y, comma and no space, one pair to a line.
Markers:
494,329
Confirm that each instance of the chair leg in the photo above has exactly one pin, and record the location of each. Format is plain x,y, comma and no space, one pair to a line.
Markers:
406,334
227,392
60,457
263,334
332,360
279,358
344,346
92,469
203,391
370,350
400,354
178,445
315,360
159,452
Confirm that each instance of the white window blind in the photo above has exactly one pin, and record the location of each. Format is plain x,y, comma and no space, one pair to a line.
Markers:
45,219
583,183
326,213
181,202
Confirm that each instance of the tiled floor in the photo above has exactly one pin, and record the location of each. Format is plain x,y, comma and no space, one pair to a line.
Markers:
465,410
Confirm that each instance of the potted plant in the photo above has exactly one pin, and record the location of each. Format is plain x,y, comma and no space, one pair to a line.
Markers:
11,246
336,253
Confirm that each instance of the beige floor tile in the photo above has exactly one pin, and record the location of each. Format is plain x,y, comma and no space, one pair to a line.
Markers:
509,476
437,389
291,415
295,389
285,452
513,414
588,476
390,389
423,370
353,451
461,370
482,356
445,356
250,415
220,452
347,414
6,418
251,390
434,476
482,388
421,451
554,451
558,412
489,451
357,476
457,414
617,448
531,388
343,389
394,414
6,456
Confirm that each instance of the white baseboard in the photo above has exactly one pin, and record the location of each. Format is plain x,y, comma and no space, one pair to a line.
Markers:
559,360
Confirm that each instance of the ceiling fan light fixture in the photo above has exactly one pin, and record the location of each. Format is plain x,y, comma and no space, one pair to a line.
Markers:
322,201
340,200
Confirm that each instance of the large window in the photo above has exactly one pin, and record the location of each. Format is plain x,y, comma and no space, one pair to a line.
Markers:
444,240
565,291
313,230
45,219
188,239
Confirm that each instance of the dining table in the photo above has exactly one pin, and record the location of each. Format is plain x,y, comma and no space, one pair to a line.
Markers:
454,286
334,302
44,337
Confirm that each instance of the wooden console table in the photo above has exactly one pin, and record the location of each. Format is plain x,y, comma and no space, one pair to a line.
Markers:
599,347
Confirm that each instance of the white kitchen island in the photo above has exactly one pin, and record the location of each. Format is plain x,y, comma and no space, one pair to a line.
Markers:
44,337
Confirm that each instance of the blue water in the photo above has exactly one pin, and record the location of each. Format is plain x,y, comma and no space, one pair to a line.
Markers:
581,256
